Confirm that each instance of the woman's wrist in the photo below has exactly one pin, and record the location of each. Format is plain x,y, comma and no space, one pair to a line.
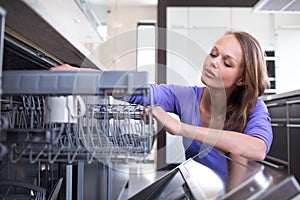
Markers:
169,124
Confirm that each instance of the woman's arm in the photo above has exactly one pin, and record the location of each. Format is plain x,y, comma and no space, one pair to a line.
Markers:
230,142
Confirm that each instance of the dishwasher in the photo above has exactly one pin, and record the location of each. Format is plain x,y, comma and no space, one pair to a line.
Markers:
62,132
55,117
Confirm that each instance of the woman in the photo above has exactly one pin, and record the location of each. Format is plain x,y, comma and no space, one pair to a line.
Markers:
227,115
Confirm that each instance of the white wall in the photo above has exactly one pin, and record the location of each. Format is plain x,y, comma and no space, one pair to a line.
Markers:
203,26
122,23
287,45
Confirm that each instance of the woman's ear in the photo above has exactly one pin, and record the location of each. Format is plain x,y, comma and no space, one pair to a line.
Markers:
240,82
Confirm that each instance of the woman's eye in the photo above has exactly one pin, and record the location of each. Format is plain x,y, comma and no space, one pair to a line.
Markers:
213,54
227,64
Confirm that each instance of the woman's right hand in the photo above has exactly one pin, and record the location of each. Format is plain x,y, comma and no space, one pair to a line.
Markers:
168,123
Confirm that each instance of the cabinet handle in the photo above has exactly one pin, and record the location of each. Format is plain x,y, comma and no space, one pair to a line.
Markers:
293,125
273,164
177,26
275,104
277,125
293,102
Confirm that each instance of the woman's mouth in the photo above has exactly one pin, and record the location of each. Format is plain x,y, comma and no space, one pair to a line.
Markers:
209,73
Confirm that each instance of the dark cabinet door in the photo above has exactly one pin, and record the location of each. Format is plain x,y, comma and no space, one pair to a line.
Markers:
295,151
285,119
279,148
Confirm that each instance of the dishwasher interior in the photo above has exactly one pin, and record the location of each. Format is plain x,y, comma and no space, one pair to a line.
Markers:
56,117
62,131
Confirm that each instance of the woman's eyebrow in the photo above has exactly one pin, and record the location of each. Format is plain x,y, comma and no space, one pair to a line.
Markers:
215,47
227,55
231,57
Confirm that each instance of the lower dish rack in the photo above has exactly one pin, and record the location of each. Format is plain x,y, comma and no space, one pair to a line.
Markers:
92,127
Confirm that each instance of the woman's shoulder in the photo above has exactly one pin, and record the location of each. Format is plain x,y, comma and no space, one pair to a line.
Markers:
183,87
177,88
260,109
260,105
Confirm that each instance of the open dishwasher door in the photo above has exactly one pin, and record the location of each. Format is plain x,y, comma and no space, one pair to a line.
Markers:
245,180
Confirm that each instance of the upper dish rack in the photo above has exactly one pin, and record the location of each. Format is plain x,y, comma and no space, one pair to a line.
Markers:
100,127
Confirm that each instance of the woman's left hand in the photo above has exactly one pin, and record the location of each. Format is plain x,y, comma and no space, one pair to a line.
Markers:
67,67
64,67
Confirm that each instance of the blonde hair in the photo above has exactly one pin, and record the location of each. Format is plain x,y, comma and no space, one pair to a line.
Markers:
243,99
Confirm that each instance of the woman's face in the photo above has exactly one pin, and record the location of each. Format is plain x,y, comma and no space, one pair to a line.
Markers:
223,65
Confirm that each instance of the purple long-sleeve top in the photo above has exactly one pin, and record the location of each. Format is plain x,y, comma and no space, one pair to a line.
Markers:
184,101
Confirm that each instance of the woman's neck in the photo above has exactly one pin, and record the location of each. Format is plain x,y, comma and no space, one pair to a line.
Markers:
214,98
206,100
213,105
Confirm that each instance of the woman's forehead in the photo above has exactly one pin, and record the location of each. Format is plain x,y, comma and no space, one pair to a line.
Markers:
229,45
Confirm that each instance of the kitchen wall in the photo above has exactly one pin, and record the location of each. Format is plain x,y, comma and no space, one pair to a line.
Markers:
276,32
279,32
122,24
287,40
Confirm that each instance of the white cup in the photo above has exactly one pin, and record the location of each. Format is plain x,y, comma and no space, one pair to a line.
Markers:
63,109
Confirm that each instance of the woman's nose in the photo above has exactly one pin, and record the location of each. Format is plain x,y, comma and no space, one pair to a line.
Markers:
214,62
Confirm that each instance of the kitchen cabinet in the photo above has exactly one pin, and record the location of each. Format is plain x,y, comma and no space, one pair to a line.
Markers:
48,26
271,67
284,110
209,17
258,24
177,17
